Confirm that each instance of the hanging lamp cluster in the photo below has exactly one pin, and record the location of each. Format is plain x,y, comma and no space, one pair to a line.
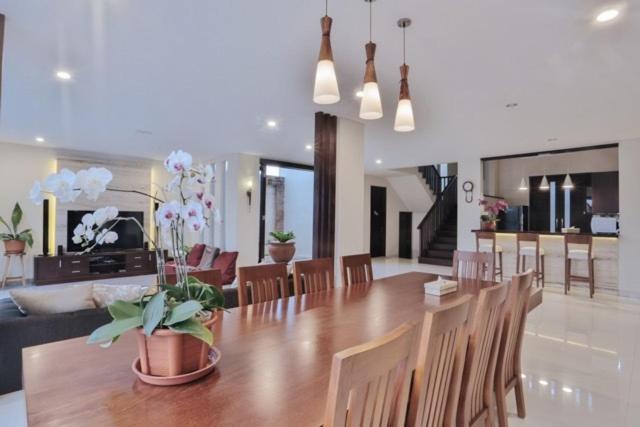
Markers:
326,89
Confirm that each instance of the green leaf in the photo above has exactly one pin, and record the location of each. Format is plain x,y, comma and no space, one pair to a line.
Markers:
194,328
121,310
111,331
5,224
153,313
26,236
16,217
183,312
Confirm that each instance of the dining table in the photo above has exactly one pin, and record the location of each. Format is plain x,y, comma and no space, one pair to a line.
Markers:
274,370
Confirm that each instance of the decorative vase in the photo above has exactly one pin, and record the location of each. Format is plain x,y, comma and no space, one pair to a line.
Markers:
169,354
488,226
14,246
282,252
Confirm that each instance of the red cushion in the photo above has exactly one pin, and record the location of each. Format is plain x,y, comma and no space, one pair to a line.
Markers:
226,263
194,257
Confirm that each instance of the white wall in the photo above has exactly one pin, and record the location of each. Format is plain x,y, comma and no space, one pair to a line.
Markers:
413,191
298,208
394,207
629,240
349,235
469,169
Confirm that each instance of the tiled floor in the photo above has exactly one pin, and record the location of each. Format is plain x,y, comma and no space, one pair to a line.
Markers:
581,359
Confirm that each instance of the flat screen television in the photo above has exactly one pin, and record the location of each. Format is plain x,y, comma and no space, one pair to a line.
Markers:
129,234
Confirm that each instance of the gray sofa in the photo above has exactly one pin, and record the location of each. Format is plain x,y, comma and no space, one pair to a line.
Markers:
18,331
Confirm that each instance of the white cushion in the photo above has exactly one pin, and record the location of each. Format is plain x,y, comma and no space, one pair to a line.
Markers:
578,254
104,295
530,251
51,301
489,248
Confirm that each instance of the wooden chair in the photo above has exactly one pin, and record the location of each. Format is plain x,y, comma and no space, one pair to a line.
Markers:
530,248
573,254
313,275
477,391
356,269
211,277
268,282
473,265
508,368
369,383
436,381
492,248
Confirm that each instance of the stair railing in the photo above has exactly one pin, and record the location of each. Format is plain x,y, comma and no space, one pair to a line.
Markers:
445,205
434,180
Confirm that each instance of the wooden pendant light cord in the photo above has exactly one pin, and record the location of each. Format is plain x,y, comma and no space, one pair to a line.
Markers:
370,21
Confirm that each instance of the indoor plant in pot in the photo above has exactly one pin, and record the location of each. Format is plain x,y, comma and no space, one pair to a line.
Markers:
489,217
282,249
174,323
15,241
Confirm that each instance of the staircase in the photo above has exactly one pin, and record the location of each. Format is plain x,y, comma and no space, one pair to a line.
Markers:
438,229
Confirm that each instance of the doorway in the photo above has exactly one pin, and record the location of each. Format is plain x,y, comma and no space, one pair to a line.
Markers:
378,242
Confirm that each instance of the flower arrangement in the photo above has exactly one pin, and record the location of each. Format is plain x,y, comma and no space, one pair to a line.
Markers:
181,308
491,212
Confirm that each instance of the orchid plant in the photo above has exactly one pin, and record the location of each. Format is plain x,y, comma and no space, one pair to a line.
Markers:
190,209
492,210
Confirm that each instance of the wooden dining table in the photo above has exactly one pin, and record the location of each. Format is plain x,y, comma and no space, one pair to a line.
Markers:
274,371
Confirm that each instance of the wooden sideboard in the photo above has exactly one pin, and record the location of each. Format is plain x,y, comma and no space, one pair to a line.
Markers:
102,265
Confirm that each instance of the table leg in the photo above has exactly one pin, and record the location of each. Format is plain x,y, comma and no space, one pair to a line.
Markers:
7,261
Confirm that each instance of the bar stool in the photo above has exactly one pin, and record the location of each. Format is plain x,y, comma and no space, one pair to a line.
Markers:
579,255
7,266
491,248
530,248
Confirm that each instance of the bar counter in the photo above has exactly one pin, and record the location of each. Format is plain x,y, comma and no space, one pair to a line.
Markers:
605,252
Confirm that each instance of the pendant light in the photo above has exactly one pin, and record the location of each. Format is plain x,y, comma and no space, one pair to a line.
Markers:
523,185
325,90
544,185
370,105
404,114
568,183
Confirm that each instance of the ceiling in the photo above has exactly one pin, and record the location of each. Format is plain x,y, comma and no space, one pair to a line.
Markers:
153,75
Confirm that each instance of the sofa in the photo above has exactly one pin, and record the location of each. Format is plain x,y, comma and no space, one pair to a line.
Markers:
202,257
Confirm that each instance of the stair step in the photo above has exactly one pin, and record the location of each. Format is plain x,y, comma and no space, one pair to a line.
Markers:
442,246
435,261
439,253
447,233
450,240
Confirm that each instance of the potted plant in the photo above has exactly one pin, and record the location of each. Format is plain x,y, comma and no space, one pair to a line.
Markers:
15,241
174,324
282,249
489,218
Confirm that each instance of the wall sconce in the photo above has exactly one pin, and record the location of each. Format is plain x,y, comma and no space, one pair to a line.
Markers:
249,191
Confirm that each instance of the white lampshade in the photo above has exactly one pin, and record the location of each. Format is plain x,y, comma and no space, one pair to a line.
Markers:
523,185
325,90
404,117
544,185
568,183
370,105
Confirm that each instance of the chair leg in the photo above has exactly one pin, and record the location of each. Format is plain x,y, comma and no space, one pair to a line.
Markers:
592,279
566,275
537,271
501,404
519,391
501,275
524,263
518,263
569,277
22,265
5,273
542,266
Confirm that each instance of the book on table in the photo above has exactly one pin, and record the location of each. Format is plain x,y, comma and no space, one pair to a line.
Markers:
440,287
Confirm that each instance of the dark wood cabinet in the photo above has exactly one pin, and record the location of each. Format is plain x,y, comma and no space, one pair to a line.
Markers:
104,265
605,192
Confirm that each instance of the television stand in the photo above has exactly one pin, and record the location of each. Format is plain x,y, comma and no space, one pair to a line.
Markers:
50,270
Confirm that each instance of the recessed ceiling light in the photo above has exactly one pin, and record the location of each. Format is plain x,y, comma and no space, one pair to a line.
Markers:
40,139
567,389
359,94
63,75
543,382
512,105
308,147
607,15
378,162
272,124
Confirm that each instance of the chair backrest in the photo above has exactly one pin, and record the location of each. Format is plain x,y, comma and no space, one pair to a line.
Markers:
515,317
356,269
268,282
486,235
528,237
473,265
436,381
313,275
476,393
211,277
578,239
369,383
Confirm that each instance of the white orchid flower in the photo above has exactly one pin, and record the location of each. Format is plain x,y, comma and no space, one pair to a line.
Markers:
168,213
88,220
93,181
208,201
36,194
112,212
178,162
192,209
61,185
195,223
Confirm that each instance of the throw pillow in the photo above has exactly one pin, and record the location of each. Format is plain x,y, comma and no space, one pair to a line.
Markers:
104,295
195,255
226,263
51,301
207,258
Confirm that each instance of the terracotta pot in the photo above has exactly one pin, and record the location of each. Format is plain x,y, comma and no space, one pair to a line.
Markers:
488,226
14,246
167,354
282,252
